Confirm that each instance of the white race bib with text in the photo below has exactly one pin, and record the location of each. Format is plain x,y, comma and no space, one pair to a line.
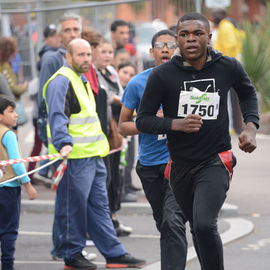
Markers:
197,102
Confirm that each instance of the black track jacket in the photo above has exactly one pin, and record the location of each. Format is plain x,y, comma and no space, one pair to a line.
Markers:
219,74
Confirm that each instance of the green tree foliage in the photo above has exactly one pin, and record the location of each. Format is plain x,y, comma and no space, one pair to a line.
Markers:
256,57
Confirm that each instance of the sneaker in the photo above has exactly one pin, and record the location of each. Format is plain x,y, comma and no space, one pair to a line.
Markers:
134,189
125,229
57,258
121,229
41,179
89,256
79,262
124,261
89,243
130,197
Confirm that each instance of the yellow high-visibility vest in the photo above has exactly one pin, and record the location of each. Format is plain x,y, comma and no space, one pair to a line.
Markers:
84,127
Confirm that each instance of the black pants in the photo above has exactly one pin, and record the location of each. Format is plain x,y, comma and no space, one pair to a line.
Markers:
167,214
200,191
10,203
115,186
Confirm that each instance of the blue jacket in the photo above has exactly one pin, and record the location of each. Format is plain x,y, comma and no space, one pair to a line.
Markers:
50,64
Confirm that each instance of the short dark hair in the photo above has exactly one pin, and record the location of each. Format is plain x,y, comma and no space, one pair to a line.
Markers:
161,33
6,101
119,51
49,30
127,64
194,16
117,23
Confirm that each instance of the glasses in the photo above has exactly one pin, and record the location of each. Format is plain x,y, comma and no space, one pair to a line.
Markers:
161,45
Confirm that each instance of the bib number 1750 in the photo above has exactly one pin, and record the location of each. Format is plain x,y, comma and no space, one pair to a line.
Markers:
202,110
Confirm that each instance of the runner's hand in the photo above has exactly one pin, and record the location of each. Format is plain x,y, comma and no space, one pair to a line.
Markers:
247,138
189,124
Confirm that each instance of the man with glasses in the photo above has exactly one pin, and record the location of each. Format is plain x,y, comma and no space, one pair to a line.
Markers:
152,160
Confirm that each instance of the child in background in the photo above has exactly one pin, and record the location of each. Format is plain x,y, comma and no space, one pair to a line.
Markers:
10,193
126,70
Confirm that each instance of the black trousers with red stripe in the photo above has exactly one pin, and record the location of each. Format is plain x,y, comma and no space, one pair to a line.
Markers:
200,189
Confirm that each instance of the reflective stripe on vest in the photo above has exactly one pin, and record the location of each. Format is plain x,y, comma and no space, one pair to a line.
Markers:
84,127
80,121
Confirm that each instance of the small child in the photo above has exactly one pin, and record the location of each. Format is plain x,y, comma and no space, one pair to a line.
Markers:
10,193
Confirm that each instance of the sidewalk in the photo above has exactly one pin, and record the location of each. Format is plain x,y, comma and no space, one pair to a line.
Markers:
45,203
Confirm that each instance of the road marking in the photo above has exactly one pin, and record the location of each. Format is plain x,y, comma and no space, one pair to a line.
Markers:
150,236
35,233
47,262
259,244
28,233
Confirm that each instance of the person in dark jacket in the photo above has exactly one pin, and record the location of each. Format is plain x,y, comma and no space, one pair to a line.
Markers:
51,44
192,88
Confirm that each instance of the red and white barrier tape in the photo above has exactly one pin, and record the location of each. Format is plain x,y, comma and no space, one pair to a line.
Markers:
59,173
60,170
27,173
44,157
29,159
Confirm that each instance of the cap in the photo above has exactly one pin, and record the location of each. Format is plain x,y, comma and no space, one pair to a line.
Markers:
49,30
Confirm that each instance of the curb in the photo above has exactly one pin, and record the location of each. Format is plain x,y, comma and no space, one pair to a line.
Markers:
47,206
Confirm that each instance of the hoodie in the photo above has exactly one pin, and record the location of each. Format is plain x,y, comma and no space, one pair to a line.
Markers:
167,81
42,52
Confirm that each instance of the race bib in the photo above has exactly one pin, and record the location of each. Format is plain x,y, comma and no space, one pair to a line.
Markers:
197,102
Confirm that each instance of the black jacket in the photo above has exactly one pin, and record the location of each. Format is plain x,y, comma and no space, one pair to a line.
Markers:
164,86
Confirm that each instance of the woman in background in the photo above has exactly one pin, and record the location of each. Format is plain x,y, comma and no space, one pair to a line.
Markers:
8,49
126,70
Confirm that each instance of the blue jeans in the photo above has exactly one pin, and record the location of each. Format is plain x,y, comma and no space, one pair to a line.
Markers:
10,202
81,207
167,214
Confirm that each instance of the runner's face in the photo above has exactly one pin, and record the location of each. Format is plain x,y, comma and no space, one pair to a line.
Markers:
193,38
70,30
162,55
